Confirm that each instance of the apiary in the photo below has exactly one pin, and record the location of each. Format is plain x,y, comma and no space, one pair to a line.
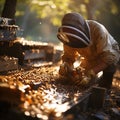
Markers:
37,93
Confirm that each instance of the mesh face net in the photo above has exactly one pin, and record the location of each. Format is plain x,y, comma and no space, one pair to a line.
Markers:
74,31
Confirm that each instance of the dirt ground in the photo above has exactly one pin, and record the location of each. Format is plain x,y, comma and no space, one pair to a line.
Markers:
42,93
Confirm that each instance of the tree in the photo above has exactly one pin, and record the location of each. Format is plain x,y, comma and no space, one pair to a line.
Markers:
9,9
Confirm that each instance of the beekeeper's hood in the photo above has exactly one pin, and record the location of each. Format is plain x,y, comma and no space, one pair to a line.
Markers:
74,31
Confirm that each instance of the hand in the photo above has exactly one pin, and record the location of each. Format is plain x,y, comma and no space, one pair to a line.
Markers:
91,74
77,74
84,82
88,78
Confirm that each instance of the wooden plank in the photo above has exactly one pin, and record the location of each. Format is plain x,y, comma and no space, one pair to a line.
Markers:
10,94
8,63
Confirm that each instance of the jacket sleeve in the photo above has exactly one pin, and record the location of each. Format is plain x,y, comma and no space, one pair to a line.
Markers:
107,48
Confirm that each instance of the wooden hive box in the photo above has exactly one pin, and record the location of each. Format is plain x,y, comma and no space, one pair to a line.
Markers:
8,63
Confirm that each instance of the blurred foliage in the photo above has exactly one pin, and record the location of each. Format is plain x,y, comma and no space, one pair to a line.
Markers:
40,18
1,6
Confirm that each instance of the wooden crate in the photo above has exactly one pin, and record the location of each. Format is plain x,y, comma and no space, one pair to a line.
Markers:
8,63
10,94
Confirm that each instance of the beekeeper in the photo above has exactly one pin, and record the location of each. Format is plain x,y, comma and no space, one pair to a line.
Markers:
90,41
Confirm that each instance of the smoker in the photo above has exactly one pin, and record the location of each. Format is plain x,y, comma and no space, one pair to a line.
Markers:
9,45
8,29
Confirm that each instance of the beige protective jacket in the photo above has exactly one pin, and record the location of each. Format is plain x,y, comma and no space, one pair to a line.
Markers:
103,48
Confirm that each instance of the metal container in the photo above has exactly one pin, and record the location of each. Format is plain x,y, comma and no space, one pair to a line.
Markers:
8,29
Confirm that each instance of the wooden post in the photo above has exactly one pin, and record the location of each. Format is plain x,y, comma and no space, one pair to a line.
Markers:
97,97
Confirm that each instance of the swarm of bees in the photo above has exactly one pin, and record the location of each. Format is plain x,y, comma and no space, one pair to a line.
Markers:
43,95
